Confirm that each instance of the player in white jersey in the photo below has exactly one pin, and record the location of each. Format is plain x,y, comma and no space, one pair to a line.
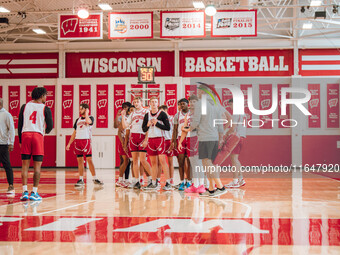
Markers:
239,127
155,123
35,119
82,136
137,136
184,169
170,152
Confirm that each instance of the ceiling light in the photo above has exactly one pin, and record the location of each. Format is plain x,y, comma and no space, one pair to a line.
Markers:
83,13
210,10
39,31
307,25
105,7
315,3
3,9
198,4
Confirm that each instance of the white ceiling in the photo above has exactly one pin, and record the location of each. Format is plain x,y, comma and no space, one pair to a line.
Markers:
280,19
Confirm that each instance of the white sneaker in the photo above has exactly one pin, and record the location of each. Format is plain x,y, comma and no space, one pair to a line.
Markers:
232,185
132,184
242,182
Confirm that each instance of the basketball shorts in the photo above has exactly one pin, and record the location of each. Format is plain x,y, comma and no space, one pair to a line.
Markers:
32,143
167,149
135,142
122,152
189,146
156,146
82,147
237,150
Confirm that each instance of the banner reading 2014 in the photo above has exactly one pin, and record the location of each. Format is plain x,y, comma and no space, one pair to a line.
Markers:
182,24
132,25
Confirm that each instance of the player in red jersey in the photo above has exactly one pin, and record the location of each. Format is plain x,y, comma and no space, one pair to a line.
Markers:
35,119
155,123
137,137
82,136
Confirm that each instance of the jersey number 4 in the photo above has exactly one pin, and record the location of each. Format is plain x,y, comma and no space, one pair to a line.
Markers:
33,117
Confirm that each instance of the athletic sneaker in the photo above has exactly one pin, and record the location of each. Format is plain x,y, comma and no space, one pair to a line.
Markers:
10,190
242,182
232,185
167,187
151,187
200,189
132,184
191,189
218,192
141,181
24,196
120,184
126,183
158,185
35,196
79,183
187,185
177,186
205,194
97,182
137,186
147,187
182,186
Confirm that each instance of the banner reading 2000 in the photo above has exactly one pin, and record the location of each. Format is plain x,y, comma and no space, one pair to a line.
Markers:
182,24
133,25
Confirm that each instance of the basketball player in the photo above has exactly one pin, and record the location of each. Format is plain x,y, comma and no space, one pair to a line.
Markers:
189,143
168,135
240,130
183,154
209,137
137,136
35,119
82,136
155,123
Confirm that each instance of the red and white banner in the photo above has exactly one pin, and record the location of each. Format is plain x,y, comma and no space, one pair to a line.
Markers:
182,24
130,25
226,96
136,93
236,63
319,62
85,95
282,117
314,106
233,23
332,105
29,90
50,100
190,90
0,91
67,106
14,103
102,106
30,65
244,88
73,27
265,104
171,98
154,92
118,64
118,98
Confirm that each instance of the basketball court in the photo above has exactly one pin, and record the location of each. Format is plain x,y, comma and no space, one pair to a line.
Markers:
273,65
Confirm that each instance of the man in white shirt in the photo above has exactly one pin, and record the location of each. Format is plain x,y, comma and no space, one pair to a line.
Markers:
7,135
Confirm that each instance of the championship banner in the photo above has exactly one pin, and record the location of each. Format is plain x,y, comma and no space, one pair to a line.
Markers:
14,103
50,100
67,106
155,92
182,24
71,27
118,64
85,95
314,106
265,104
136,93
226,96
118,98
236,63
332,105
171,98
232,23
29,90
244,88
102,106
282,117
130,25
190,90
